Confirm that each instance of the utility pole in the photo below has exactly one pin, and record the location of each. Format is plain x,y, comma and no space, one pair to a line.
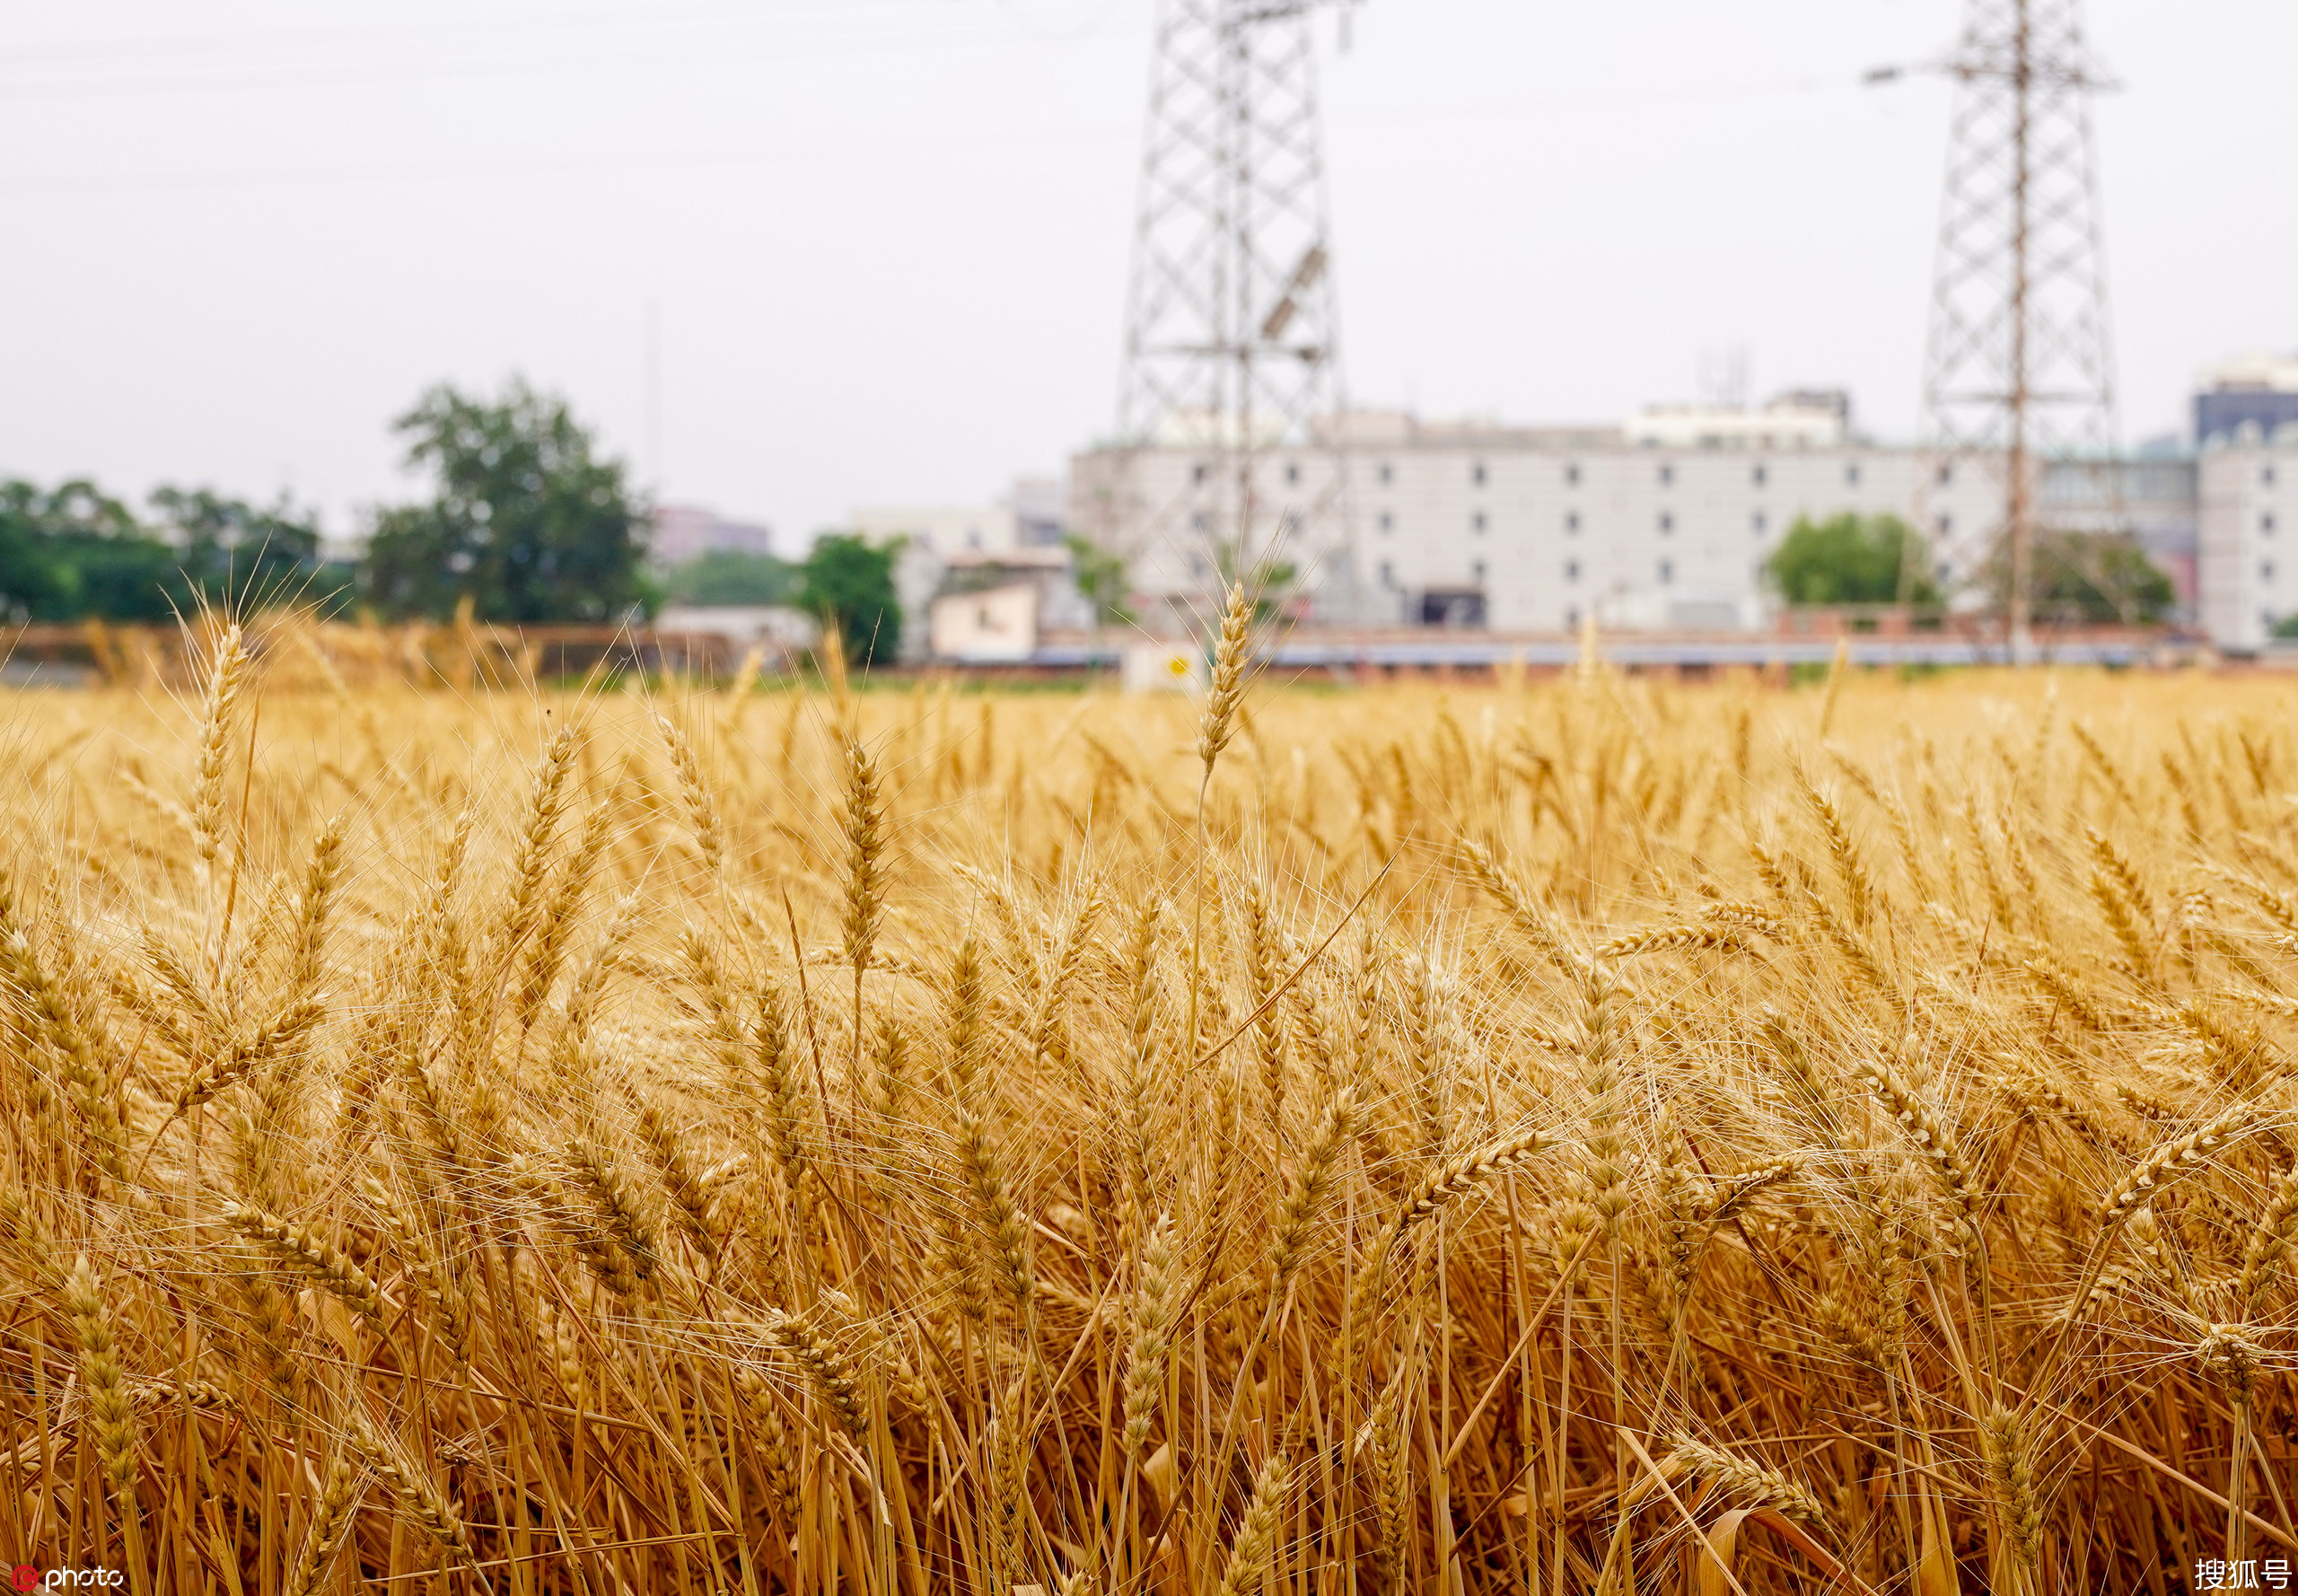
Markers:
2019,373
1231,347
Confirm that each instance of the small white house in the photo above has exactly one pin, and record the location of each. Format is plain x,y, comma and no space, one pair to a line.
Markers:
995,626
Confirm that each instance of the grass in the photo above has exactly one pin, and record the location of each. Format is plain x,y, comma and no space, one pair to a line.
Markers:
1581,1135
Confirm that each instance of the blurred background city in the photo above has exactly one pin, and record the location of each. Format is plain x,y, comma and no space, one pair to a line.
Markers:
1005,335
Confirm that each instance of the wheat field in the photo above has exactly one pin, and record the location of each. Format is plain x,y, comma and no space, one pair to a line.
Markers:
1582,1134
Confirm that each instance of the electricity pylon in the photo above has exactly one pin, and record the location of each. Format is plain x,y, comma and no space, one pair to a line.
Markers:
2020,372
1231,346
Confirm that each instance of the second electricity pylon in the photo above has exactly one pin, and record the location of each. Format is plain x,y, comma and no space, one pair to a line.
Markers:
1232,341
2019,370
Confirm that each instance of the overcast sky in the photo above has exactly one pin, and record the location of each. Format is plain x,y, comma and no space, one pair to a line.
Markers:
885,242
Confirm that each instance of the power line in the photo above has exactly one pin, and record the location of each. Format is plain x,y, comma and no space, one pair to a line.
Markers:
594,161
508,66
193,43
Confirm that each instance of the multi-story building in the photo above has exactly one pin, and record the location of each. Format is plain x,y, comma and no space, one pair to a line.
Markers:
1032,514
683,532
2252,396
2248,544
1663,522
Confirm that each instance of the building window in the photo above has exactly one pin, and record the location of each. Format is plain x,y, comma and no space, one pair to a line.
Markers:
2265,523
1757,523
1475,473
1388,475
1388,574
1572,520
1667,475
2266,476
1946,523
1571,570
1760,475
1851,475
1572,475
1667,572
1946,475
1476,521
1196,472
1667,521
1200,522
1475,569
1388,522
1292,475
2266,570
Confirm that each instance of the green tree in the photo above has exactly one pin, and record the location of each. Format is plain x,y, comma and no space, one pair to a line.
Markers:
1269,580
2089,579
74,551
525,519
31,584
1851,559
233,553
732,577
1102,576
849,583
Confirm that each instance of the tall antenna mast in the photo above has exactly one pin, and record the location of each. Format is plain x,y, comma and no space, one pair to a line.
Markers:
1231,345
2020,368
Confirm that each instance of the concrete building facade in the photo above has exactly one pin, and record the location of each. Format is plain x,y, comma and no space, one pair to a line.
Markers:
2254,397
1662,524
2246,576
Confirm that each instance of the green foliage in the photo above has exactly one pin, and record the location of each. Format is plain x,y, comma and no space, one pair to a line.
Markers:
1102,578
1851,559
2094,579
2287,627
524,520
850,584
731,577
242,554
73,552
1269,580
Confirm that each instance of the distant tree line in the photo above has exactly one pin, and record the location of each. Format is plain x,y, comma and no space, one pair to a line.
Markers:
73,552
2079,577
525,521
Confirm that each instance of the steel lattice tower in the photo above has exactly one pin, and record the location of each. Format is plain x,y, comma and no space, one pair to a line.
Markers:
2019,372
1232,341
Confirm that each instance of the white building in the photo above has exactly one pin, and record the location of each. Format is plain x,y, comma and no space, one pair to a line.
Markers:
940,530
1031,515
991,626
1663,522
2246,536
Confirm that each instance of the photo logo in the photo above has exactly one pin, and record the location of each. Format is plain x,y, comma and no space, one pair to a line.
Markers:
25,1577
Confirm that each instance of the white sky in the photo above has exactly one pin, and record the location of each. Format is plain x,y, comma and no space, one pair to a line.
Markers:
888,240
